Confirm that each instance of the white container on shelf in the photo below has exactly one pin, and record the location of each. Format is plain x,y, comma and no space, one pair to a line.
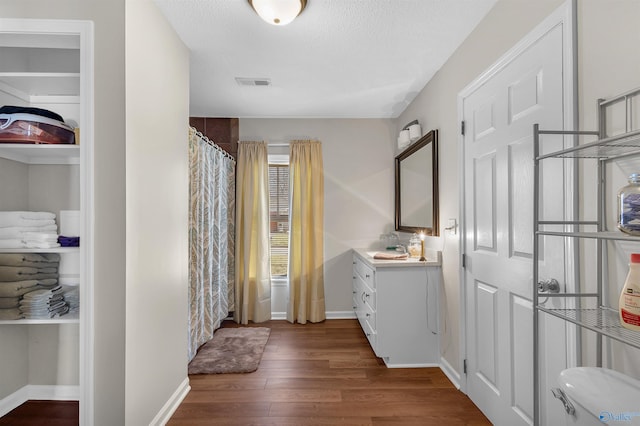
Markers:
69,270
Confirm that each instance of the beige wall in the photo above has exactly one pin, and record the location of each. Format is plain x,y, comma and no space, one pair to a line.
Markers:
436,108
157,105
358,185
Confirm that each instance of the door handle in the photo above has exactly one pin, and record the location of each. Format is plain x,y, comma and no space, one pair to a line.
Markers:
549,286
568,406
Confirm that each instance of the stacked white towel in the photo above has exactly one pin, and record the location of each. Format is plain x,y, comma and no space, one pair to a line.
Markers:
44,304
24,229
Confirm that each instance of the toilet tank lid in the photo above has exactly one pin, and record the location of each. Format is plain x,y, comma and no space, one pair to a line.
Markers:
601,390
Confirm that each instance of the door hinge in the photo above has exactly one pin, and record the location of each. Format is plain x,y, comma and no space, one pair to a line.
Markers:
464,366
462,128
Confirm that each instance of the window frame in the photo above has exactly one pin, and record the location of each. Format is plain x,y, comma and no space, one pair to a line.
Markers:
278,161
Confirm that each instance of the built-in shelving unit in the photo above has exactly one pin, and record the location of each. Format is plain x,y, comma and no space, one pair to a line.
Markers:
49,64
589,310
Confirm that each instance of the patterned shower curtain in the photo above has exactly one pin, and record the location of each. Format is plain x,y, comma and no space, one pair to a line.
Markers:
211,238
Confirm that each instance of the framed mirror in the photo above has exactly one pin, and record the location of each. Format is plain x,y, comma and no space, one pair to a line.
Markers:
417,187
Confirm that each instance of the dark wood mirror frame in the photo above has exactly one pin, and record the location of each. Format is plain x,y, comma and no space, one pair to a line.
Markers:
428,142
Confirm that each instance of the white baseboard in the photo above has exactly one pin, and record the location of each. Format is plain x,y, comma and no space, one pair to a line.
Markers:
38,392
278,315
450,372
170,407
421,365
341,315
330,315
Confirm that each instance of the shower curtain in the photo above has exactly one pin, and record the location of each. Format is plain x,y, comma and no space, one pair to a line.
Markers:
211,238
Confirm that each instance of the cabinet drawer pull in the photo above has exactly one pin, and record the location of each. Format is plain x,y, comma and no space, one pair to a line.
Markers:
367,276
368,315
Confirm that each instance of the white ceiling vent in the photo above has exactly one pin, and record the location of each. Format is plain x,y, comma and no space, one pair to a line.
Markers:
242,81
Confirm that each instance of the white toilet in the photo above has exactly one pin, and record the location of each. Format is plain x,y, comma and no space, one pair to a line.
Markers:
599,396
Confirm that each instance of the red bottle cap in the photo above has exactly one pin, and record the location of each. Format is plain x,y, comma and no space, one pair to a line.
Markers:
635,257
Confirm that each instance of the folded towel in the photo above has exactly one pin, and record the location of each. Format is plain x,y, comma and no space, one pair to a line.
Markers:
10,314
72,297
32,260
40,245
40,236
19,218
44,303
19,288
12,244
9,302
10,215
390,256
16,232
69,241
17,273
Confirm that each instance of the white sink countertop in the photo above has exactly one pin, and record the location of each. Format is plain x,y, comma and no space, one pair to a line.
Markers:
434,258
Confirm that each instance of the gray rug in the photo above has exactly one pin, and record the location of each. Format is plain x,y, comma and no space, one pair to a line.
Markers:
232,350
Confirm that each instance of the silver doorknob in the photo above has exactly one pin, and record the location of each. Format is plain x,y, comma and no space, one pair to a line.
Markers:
549,286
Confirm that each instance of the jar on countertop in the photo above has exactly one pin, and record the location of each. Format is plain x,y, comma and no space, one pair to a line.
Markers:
414,246
629,206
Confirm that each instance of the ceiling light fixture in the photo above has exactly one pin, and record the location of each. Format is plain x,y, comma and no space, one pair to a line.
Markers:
278,12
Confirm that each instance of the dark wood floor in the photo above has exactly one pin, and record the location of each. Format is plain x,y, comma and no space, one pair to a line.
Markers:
50,413
315,374
324,374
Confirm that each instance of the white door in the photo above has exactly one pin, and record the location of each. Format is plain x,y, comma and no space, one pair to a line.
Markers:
499,112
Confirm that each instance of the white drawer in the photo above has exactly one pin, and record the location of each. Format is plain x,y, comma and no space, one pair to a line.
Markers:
365,272
367,295
370,316
371,334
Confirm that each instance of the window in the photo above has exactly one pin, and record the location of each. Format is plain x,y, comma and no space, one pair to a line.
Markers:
279,218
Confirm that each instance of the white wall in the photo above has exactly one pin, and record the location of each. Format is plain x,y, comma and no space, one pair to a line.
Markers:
436,108
157,106
358,167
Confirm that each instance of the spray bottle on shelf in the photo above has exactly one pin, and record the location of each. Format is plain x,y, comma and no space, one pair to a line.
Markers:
630,297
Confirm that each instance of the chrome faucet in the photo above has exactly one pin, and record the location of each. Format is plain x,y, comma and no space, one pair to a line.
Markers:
401,248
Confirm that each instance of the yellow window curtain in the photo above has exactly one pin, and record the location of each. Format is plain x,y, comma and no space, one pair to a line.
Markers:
306,233
253,275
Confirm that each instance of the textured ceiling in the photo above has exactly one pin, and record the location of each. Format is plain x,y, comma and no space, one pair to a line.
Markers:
339,58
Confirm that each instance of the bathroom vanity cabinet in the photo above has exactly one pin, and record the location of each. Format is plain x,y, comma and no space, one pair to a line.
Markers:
396,303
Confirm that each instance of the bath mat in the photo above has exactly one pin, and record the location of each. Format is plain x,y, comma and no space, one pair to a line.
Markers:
232,350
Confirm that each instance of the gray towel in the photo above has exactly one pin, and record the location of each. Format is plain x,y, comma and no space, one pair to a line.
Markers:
9,302
29,260
10,314
19,288
17,273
